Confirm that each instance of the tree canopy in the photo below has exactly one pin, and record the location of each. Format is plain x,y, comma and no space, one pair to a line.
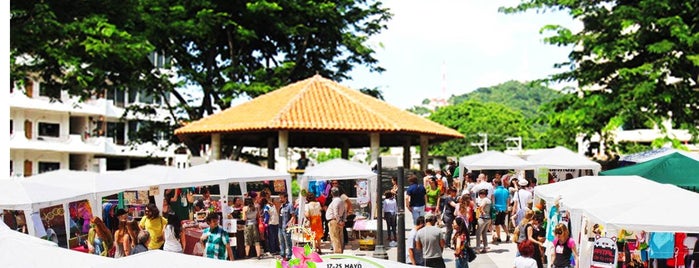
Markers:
633,61
472,118
220,49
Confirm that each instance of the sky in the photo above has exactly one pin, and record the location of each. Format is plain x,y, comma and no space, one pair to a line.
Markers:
439,48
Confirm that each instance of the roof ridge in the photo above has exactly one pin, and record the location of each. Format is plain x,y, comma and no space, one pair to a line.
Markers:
367,107
293,100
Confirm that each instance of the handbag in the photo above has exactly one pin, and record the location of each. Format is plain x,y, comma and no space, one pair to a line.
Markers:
471,254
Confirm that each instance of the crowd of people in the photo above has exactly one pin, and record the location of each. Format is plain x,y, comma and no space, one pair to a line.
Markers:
502,206
264,221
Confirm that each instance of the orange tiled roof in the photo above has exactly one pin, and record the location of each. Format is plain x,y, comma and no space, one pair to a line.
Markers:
316,104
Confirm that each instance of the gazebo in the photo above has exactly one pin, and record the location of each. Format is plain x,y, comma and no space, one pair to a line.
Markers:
316,112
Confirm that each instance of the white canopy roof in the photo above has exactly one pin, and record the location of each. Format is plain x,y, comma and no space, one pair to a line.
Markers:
32,194
624,202
339,169
226,170
140,178
494,160
21,250
562,158
223,172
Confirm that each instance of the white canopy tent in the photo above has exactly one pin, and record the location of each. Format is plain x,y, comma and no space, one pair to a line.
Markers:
339,169
65,186
623,202
491,160
20,250
224,172
669,205
45,190
562,158
136,179
494,160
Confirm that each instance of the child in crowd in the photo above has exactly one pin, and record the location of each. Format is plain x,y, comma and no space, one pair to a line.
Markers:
389,214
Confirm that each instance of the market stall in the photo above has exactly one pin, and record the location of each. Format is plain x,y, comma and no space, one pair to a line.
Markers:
675,168
625,209
43,191
222,173
21,250
490,160
560,162
342,169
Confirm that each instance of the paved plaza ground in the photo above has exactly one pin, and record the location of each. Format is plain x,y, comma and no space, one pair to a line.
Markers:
501,255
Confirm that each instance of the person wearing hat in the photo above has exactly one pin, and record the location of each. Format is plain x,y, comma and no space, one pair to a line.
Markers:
521,198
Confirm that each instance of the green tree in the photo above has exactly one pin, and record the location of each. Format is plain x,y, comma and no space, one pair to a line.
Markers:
223,49
633,61
84,47
472,118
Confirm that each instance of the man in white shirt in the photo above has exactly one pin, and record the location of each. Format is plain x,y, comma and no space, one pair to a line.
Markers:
483,183
336,215
521,197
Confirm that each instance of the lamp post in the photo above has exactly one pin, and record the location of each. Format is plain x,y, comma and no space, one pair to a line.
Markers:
379,250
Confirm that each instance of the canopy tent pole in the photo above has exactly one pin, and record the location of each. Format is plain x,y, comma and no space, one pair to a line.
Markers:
29,222
66,219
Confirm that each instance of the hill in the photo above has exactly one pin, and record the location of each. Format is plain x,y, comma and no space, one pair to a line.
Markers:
514,94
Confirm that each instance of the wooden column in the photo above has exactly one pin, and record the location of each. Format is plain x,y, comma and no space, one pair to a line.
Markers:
283,151
270,153
344,151
424,147
374,141
215,146
406,154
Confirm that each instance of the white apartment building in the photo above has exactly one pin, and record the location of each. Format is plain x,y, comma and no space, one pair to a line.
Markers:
92,135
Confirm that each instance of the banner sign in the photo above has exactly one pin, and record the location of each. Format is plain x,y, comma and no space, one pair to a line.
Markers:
604,253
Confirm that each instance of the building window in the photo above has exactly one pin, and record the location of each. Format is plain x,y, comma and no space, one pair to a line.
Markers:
145,97
118,96
49,130
51,93
159,60
48,166
116,131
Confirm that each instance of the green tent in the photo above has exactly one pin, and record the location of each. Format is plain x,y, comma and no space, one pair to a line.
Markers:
674,168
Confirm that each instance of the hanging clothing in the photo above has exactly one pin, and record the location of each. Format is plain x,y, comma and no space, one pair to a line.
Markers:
662,245
677,261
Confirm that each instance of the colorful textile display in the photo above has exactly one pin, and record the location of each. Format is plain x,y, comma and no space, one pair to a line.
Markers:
662,245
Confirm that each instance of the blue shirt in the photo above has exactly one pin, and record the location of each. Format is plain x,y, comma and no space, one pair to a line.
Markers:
500,196
417,195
